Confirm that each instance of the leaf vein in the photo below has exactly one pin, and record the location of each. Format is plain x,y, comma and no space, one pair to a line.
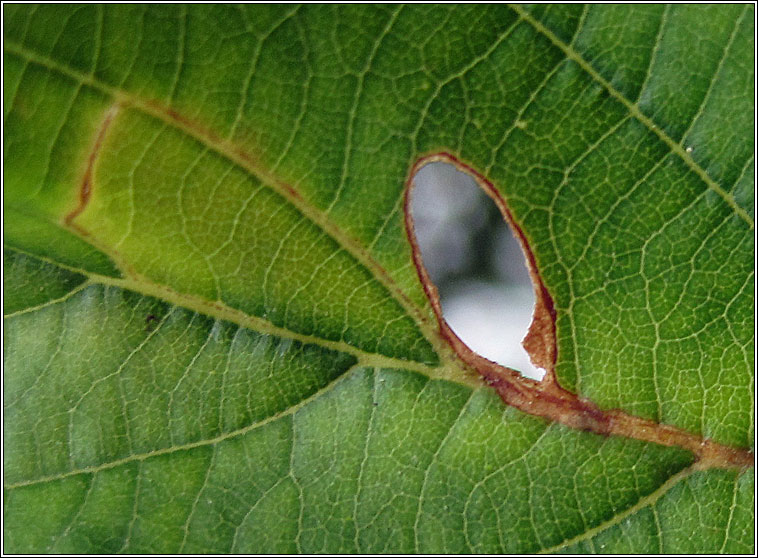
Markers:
717,71
432,461
647,501
635,111
246,162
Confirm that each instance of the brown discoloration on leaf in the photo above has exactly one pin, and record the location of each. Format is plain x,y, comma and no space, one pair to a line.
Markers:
236,153
546,398
85,185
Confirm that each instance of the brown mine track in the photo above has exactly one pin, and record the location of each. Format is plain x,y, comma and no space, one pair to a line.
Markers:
85,185
546,398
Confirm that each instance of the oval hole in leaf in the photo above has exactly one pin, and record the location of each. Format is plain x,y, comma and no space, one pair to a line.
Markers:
476,263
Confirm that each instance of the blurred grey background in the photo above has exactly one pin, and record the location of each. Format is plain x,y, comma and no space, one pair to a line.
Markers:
476,263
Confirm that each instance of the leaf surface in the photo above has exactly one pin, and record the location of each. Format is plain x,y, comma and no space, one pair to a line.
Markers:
216,339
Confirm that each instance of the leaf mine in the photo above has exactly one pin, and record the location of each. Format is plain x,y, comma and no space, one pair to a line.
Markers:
547,398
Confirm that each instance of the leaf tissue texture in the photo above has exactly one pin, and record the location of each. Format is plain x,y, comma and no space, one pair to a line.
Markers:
215,336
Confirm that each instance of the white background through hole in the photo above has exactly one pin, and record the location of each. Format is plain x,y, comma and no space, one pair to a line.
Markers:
476,263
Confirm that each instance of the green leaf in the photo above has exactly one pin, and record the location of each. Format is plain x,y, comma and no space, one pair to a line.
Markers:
215,336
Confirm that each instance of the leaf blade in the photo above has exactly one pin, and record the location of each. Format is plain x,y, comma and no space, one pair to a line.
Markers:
535,102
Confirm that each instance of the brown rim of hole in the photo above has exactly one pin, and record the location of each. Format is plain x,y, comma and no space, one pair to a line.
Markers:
546,398
539,342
